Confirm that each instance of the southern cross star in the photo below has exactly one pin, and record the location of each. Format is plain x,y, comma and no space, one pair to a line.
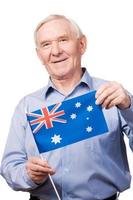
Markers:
89,108
89,129
77,105
73,116
56,139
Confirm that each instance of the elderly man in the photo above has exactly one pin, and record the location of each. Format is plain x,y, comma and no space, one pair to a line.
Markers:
92,169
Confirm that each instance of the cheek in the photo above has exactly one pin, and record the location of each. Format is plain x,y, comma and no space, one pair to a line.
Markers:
75,51
44,57
44,60
75,54
70,49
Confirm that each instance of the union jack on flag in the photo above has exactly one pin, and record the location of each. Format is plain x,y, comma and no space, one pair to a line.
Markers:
46,117
66,123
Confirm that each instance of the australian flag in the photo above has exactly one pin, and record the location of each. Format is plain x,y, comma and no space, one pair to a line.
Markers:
67,122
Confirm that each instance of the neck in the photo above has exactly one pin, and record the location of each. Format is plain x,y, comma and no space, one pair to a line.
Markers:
66,84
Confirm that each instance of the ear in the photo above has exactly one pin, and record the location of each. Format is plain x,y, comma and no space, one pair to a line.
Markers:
38,53
83,44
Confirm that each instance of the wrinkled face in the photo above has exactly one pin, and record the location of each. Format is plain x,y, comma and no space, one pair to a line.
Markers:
59,48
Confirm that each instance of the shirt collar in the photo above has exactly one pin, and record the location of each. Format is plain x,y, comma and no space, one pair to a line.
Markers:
86,79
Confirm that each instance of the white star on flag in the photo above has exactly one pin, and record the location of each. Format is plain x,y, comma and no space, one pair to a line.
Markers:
73,116
89,108
77,105
56,139
89,129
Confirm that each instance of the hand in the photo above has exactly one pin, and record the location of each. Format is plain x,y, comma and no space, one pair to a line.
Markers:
113,94
38,169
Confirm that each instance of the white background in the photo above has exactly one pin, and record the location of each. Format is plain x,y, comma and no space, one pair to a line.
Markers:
108,25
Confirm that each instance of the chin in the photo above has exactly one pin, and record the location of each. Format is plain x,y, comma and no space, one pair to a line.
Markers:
61,76
61,72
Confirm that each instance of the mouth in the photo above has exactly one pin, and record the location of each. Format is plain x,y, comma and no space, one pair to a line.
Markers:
58,61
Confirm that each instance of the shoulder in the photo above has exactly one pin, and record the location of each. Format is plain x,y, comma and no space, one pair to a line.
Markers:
32,100
37,94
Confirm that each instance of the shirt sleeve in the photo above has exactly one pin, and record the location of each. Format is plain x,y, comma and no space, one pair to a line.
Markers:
126,116
15,157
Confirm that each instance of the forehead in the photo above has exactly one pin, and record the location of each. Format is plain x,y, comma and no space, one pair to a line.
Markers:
54,29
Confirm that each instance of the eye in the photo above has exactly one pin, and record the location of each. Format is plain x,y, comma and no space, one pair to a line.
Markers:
63,40
46,45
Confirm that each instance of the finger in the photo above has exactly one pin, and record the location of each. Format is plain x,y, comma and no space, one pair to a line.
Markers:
38,161
105,94
38,179
106,86
38,173
51,172
115,102
38,168
110,98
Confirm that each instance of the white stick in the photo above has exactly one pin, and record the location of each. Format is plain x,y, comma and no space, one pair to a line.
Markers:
52,182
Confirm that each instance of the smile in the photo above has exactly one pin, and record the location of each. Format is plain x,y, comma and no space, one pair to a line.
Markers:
57,61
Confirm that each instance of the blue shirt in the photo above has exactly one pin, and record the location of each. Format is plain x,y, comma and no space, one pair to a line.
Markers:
92,169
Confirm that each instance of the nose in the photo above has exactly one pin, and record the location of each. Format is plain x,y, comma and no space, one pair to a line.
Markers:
56,50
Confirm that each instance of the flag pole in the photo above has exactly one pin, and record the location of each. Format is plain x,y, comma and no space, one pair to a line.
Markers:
52,182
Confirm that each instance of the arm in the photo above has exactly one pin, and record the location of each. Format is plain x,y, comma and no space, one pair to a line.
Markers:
127,118
113,94
20,171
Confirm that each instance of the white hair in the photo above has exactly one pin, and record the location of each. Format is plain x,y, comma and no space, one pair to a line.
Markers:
54,17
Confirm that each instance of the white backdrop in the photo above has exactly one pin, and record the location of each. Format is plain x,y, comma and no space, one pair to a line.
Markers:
108,25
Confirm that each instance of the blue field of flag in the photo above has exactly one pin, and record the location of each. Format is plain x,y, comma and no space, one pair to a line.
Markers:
67,122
